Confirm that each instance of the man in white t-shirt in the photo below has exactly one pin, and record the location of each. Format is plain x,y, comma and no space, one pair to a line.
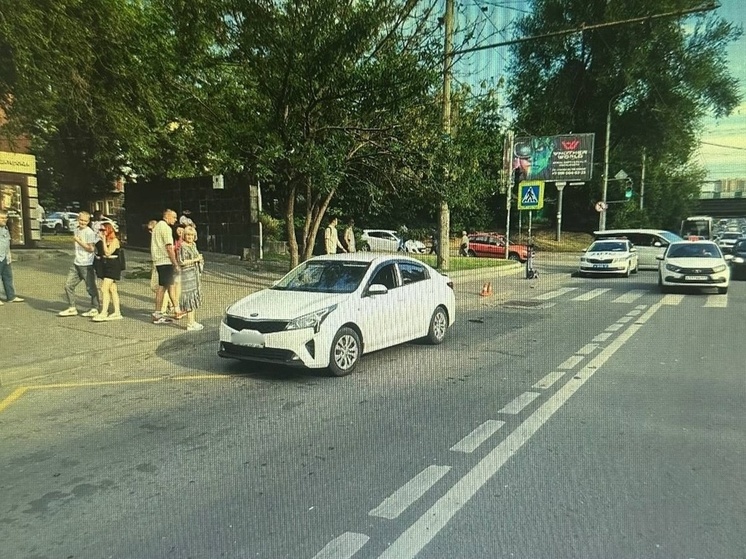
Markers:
84,239
166,266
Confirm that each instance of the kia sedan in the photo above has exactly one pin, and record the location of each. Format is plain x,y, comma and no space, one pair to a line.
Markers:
330,310
694,264
387,240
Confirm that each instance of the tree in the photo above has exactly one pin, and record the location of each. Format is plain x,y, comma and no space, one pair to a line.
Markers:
656,80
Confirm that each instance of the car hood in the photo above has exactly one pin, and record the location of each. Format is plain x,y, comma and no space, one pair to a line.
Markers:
689,262
606,254
277,304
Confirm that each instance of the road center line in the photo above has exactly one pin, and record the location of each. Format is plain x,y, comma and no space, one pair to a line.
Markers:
343,547
520,402
402,498
602,337
472,441
549,380
614,327
571,362
625,319
424,529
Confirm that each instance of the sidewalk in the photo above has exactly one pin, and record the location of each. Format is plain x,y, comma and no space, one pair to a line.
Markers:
37,343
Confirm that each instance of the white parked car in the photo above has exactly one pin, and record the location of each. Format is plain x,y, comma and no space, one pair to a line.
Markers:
330,310
609,256
60,221
388,240
694,264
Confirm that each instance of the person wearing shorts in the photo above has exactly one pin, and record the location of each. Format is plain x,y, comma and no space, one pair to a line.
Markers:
166,265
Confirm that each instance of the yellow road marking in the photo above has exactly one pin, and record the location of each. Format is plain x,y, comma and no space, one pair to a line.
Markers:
21,390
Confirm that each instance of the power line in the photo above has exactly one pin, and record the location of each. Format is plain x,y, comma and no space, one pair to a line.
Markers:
723,146
583,27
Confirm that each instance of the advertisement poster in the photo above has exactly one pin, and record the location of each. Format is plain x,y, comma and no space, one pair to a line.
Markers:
565,158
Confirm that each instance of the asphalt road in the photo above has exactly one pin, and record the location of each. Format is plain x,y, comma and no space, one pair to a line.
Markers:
563,417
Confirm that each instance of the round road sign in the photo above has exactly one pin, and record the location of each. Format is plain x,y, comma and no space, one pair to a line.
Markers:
601,206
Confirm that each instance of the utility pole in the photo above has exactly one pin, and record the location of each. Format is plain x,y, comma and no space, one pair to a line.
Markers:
602,214
444,218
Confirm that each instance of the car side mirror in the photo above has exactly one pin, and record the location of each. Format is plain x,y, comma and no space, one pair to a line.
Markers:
633,249
728,257
659,257
657,244
378,289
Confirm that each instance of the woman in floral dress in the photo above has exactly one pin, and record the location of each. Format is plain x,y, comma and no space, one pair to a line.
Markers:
191,262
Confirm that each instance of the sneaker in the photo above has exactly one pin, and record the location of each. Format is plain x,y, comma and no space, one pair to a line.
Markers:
100,317
194,327
18,300
72,311
115,316
91,313
179,315
1,302
161,320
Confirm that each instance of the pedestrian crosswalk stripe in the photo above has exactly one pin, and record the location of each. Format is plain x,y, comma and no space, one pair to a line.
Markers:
591,294
716,301
629,297
672,299
555,293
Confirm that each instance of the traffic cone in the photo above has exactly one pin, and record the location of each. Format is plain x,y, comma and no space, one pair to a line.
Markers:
486,290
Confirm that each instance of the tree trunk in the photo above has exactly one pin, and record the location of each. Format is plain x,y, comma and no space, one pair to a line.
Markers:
290,228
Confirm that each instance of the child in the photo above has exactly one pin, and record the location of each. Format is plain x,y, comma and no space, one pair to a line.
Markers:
191,262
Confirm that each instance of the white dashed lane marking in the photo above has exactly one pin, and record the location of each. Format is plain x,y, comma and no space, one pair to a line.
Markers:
343,547
472,441
631,296
716,301
549,380
520,402
402,498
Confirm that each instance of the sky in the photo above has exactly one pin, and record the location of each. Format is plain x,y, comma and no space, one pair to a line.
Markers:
723,149
729,162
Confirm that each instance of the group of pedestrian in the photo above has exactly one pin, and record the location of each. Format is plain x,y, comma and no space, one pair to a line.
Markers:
178,266
99,260
331,237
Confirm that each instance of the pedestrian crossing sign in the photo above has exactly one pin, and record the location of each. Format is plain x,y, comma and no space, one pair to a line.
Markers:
531,195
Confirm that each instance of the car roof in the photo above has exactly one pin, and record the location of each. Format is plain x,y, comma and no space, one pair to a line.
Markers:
608,232
379,231
366,257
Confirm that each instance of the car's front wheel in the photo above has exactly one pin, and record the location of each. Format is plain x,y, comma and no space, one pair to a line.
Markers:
438,326
514,256
345,352
722,290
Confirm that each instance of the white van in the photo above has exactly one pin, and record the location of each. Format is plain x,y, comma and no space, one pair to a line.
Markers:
650,243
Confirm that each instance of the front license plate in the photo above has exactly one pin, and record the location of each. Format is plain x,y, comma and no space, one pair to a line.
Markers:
600,265
695,278
249,338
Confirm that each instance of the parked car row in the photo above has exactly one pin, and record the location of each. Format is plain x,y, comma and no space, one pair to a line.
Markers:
58,222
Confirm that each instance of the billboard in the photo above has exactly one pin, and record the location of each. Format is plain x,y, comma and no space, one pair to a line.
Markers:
565,158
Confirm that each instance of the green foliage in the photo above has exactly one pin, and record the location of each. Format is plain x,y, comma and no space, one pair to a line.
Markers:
656,80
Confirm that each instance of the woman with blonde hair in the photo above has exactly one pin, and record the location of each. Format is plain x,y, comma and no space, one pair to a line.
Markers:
111,273
191,262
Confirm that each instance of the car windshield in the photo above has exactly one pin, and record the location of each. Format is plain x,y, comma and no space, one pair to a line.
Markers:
671,237
731,235
608,246
324,276
55,215
694,250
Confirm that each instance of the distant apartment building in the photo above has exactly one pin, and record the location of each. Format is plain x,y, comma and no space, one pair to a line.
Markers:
724,188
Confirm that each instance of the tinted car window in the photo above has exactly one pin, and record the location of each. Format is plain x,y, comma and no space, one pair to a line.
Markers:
411,272
385,276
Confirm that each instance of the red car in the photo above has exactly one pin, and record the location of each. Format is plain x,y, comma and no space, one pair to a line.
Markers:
492,245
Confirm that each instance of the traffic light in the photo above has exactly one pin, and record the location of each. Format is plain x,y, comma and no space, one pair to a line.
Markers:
628,192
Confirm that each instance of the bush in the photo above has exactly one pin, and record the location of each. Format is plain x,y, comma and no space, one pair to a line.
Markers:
272,228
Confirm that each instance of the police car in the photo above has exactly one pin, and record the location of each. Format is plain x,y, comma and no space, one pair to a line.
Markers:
609,256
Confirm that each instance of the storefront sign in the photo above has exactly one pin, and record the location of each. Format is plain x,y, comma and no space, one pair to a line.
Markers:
17,163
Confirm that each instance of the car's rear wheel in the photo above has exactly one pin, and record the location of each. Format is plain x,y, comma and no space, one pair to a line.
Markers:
57,227
345,352
514,256
471,253
438,326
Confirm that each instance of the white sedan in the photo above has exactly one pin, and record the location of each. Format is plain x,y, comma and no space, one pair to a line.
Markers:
694,264
330,310
387,240
609,256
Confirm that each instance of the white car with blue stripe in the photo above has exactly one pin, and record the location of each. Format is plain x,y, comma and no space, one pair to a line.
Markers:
609,256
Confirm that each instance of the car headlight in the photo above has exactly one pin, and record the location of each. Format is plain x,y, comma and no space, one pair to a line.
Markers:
673,268
583,259
739,260
310,320
718,269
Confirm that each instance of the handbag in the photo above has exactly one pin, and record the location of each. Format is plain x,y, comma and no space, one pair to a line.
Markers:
122,259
